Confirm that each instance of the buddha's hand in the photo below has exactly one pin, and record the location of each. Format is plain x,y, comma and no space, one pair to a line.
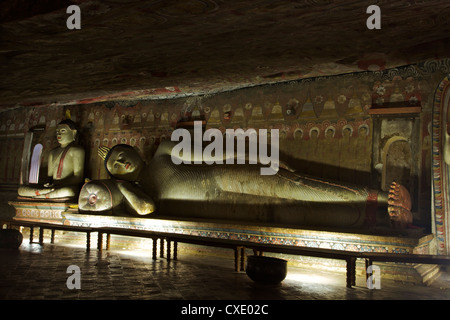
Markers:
43,191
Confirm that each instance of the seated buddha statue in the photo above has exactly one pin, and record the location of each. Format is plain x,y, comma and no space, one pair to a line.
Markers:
237,192
65,167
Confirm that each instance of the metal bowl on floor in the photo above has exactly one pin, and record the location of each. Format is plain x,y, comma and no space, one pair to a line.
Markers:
10,238
266,270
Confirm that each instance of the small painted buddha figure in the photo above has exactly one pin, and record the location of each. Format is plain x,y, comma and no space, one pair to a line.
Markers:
65,167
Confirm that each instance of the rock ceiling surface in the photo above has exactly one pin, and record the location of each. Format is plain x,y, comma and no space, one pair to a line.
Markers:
135,48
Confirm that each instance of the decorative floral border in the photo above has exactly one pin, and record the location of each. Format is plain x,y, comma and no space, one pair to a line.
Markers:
439,198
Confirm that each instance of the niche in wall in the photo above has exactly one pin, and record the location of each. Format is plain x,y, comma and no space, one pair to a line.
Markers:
396,145
32,156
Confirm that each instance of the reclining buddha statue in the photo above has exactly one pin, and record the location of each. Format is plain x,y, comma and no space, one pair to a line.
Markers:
236,192
65,167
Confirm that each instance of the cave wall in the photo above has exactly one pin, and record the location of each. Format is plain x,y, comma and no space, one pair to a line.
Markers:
326,126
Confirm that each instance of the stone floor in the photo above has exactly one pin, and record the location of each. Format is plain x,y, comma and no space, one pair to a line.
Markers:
38,272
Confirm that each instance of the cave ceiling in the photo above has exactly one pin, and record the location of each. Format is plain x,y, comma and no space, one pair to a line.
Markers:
132,49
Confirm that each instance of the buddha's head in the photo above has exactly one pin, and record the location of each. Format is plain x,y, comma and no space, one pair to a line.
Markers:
122,162
66,132
329,133
314,133
363,131
346,132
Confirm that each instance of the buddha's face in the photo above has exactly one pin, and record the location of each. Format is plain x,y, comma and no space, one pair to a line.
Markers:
346,132
330,133
363,131
124,163
64,134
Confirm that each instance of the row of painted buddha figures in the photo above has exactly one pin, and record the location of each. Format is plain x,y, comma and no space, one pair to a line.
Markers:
235,192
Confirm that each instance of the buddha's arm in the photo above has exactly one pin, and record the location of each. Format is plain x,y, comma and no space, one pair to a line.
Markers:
50,170
137,199
61,188
78,165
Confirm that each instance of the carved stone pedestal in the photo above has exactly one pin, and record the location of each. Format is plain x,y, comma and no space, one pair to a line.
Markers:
42,211
412,241
389,241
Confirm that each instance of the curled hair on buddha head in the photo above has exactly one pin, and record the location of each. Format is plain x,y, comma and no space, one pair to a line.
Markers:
72,125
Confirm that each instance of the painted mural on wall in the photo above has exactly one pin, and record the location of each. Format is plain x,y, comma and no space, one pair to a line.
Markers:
313,116
440,149
301,139
325,126
325,129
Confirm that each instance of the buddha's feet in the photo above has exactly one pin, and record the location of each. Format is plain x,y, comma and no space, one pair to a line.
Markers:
399,206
